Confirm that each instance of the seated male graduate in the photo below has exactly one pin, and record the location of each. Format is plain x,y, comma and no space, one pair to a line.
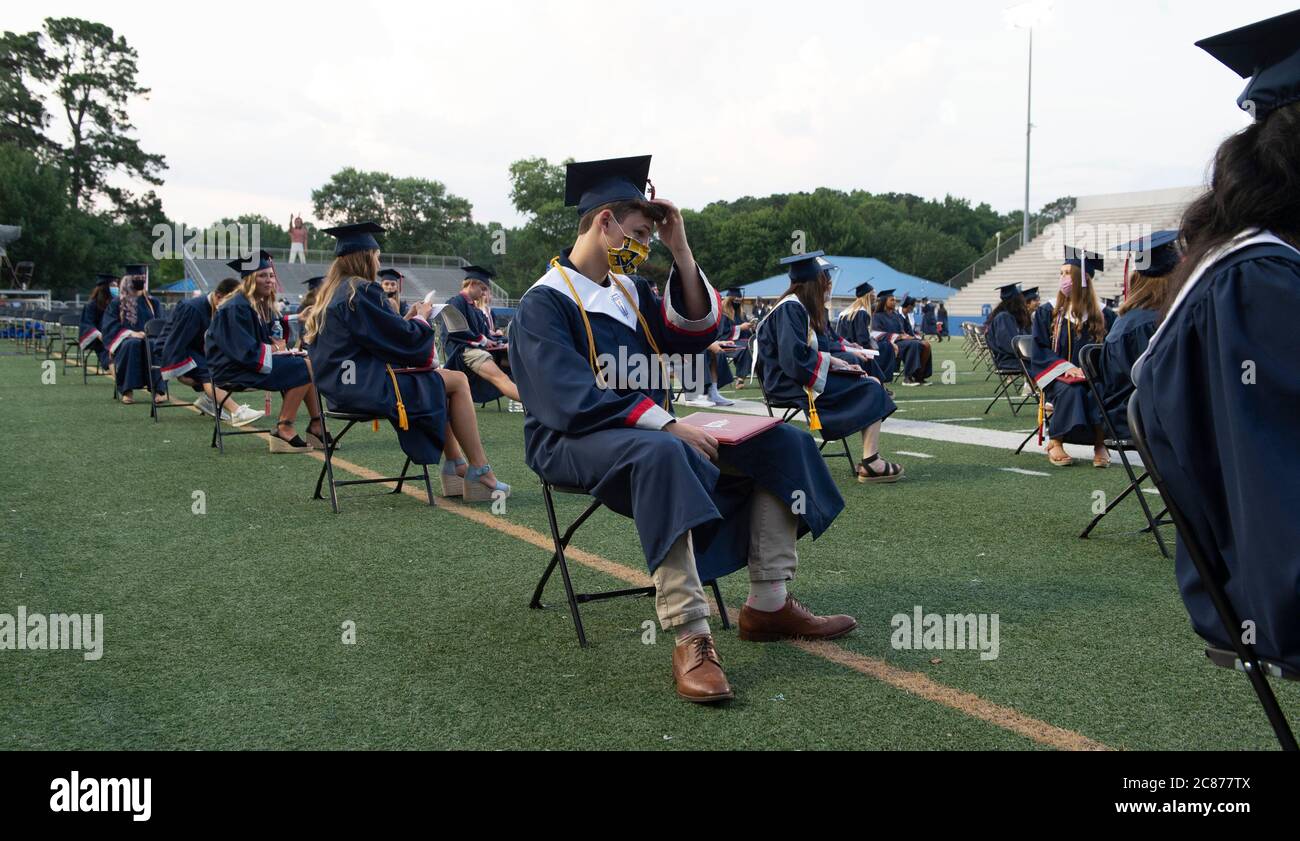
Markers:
587,346
469,351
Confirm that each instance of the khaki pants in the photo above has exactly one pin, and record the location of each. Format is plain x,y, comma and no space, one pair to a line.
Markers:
474,358
679,594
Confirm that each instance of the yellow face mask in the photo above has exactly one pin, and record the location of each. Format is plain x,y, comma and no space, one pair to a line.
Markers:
626,257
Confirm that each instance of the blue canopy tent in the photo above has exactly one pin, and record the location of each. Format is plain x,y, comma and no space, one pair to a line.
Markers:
184,286
852,272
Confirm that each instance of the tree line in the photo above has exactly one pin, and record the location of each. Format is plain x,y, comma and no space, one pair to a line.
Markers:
65,131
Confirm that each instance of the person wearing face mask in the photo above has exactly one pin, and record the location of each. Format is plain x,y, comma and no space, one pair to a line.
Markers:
124,337
90,337
470,350
1060,332
801,361
897,330
588,346
390,283
243,350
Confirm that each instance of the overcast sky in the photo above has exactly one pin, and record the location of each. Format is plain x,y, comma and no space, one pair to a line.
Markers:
255,104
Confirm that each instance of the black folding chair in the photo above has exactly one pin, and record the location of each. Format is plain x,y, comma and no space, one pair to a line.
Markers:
1024,347
561,542
69,328
332,444
1090,362
153,329
219,435
1009,378
1242,656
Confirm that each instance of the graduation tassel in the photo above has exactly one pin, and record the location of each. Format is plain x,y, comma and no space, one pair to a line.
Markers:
1126,259
402,422
1042,417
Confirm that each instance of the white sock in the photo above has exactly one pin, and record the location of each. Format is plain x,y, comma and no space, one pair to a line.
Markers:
768,596
690,629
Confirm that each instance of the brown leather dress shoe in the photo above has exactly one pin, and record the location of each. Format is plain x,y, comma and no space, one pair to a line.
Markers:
793,621
698,671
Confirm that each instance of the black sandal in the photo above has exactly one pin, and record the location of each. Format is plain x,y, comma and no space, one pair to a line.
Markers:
322,441
279,444
892,472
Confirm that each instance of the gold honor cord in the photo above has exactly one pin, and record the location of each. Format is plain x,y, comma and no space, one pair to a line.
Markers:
591,340
814,420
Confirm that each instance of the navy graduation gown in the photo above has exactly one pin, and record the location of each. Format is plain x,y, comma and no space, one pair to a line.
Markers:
610,441
182,353
1075,415
1124,343
910,349
479,335
1223,433
857,329
788,365
130,365
358,340
240,353
89,335
1001,334
929,324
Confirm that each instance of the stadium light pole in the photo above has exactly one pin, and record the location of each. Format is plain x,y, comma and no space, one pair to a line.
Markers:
1025,16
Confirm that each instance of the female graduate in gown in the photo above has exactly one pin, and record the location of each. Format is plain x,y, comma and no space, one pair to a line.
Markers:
738,329
842,398
359,347
1060,332
1009,319
1127,338
1219,387
929,324
855,325
89,336
912,351
123,331
243,350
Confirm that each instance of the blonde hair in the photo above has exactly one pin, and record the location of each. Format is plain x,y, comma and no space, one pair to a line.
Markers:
352,269
268,308
865,302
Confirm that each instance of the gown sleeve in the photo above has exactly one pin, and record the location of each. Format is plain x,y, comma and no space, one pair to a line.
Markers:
114,330
89,330
675,332
183,328
549,361
474,336
798,360
397,341
1045,364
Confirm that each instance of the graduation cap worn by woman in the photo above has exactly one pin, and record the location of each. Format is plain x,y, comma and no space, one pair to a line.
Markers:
854,324
369,360
1010,318
90,336
586,350
1218,387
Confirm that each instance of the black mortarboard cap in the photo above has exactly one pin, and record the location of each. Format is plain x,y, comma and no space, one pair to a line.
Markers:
1266,52
592,184
356,237
1157,254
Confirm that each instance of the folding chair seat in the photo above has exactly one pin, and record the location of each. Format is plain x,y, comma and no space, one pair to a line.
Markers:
1209,567
561,542
152,332
1024,347
1090,361
219,435
332,444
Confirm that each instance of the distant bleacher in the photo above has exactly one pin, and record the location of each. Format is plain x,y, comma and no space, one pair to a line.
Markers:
1039,262
424,273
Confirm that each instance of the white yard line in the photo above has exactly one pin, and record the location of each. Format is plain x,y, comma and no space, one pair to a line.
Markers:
913,455
1023,472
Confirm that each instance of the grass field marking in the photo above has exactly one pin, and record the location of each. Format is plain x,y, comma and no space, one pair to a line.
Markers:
1023,472
922,686
956,420
913,455
914,683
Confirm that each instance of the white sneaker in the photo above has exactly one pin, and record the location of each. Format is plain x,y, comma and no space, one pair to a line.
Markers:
514,406
243,416
700,402
205,404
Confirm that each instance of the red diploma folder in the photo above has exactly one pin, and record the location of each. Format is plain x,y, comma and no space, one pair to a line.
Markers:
730,429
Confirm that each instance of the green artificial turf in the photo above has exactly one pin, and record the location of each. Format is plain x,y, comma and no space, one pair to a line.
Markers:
223,629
